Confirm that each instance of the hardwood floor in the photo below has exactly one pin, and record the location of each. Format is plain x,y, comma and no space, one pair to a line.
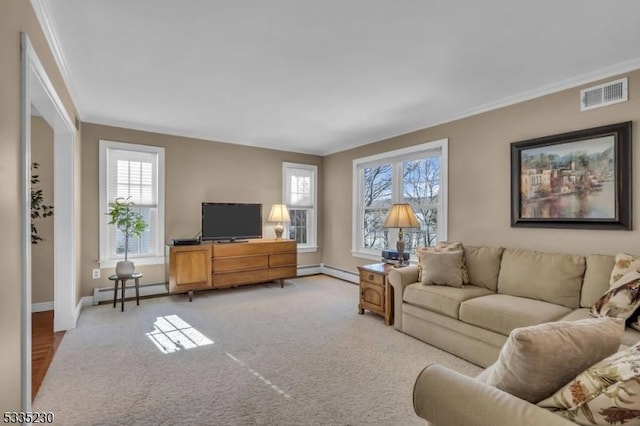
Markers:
44,343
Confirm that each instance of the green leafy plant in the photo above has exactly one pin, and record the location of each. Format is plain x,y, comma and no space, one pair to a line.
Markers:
127,220
38,208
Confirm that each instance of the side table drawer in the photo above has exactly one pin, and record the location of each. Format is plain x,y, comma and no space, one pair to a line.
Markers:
372,278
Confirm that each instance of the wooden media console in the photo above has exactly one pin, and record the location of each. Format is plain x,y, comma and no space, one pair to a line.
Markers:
221,265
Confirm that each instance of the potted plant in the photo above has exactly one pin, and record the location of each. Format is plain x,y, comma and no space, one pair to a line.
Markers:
38,208
131,224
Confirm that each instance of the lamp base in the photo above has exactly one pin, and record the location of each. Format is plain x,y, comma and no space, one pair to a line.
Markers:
400,247
279,229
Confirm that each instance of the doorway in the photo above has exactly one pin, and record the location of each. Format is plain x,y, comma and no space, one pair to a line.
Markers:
39,94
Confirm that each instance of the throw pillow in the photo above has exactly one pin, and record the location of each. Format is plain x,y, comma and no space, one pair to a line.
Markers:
442,246
625,263
607,393
621,300
536,360
443,268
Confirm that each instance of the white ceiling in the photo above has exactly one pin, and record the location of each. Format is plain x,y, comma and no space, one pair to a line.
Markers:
323,76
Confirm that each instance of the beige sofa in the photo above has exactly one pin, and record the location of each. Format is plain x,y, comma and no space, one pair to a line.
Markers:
508,288
446,398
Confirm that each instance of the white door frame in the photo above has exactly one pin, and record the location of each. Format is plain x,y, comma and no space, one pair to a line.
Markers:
38,92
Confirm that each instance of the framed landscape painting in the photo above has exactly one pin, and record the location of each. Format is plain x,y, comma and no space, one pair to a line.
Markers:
579,179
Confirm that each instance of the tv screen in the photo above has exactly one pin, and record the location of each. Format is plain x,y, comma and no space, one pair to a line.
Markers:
231,221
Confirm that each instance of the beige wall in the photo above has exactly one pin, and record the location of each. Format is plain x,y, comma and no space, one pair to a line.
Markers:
42,253
479,177
195,171
15,16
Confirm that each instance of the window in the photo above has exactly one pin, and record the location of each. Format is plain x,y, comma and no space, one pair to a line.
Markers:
135,172
300,196
415,175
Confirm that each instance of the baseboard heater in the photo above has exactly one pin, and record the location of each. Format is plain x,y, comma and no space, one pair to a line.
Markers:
105,294
309,270
340,273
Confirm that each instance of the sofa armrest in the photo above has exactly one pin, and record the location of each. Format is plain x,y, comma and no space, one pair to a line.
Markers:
400,278
444,397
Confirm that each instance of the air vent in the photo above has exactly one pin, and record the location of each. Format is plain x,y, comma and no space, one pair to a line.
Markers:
604,94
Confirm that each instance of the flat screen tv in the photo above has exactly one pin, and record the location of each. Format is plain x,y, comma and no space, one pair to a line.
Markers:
231,221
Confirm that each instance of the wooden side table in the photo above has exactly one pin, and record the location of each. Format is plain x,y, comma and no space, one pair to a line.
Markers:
376,294
123,280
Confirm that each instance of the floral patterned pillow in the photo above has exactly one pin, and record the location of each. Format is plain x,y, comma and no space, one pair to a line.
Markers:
607,393
442,246
621,300
625,263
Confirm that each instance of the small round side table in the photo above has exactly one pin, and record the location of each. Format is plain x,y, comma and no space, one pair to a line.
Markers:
123,280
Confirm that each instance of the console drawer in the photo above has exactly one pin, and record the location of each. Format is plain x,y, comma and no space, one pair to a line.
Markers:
282,272
284,259
239,278
239,249
230,264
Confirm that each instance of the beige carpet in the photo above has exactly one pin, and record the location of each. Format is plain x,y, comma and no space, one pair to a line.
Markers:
254,355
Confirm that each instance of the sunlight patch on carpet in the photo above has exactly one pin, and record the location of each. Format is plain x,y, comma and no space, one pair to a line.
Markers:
172,334
260,376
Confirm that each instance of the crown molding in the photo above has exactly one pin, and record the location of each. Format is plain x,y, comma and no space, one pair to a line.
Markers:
43,14
580,80
185,133
570,83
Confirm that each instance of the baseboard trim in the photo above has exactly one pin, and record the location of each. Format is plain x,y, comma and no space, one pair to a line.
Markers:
340,273
104,294
42,306
84,301
309,270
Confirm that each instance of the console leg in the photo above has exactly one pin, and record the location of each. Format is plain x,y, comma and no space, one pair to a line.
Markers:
190,294
281,283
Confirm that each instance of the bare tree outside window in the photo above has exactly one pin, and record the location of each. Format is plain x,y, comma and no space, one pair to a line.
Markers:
414,175
298,225
421,189
377,196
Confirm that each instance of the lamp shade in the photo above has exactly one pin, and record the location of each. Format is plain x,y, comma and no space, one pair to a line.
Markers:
401,216
279,213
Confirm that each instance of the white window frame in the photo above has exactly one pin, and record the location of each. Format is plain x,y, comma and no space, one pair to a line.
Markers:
312,219
440,146
158,257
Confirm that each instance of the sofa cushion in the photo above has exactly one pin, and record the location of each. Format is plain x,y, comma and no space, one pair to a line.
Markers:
442,268
604,394
502,313
621,300
535,361
629,338
551,277
596,278
483,265
442,246
624,263
441,299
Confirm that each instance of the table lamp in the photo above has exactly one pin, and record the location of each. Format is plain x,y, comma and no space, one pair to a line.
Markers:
401,216
279,214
